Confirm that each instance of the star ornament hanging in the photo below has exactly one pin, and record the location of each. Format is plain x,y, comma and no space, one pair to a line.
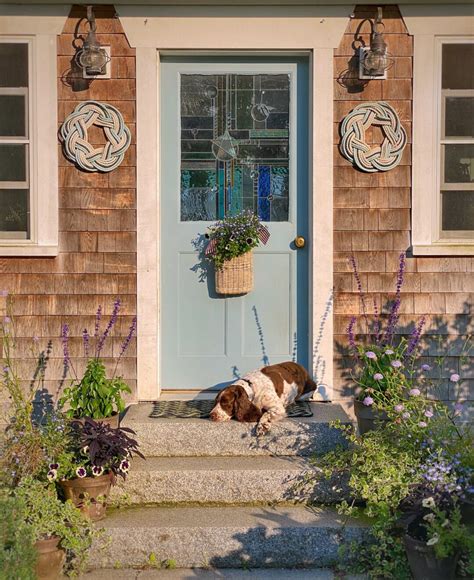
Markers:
225,147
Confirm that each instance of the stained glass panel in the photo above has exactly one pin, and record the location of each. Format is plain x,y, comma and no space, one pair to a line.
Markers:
234,145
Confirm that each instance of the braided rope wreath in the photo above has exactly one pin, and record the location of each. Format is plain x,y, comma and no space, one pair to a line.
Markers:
77,148
373,158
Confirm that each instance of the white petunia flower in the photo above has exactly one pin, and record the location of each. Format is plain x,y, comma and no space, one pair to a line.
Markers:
432,541
429,502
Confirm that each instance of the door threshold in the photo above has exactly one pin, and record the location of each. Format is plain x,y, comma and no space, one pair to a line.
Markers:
187,395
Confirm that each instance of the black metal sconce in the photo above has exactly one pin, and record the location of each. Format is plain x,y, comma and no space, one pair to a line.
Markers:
374,59
92,58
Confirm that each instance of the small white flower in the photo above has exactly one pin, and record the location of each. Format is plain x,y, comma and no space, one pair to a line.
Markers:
429,502
85,450
445,524
432,541
429,518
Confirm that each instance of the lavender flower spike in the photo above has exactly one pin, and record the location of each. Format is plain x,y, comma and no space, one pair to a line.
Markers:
110,325
128,339
98,317
350,334
85,340
394,313
415,337
65,342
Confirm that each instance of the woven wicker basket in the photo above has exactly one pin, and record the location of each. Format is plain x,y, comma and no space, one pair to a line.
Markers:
236,275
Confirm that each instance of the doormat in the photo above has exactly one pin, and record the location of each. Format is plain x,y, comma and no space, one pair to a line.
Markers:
201,409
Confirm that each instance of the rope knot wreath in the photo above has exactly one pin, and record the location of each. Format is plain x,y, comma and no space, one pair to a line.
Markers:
73,134
371,158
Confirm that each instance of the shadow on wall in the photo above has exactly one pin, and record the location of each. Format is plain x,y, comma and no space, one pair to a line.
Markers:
446,348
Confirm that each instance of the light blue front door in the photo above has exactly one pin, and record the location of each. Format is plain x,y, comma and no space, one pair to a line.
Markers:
234,135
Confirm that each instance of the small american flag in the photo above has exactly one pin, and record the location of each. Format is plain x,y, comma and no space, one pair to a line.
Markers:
211,247
263,234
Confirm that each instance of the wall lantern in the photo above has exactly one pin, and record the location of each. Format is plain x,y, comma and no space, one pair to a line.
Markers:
92,58
373,59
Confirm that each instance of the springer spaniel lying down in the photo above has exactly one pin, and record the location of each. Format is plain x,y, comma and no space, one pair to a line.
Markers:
263,395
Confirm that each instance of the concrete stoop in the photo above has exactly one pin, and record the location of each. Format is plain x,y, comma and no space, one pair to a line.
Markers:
223,480
224,537
200,437
212,495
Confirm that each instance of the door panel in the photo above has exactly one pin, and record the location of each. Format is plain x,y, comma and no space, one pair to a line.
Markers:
234,135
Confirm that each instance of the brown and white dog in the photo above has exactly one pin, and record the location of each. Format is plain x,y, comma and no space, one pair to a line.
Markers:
263,395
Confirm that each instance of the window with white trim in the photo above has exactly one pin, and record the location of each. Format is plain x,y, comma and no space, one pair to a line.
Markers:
28,135
15,144
456,139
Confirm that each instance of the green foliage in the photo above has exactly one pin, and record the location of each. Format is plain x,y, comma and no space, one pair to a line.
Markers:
95,395
234,236
446,533
45,515
17,553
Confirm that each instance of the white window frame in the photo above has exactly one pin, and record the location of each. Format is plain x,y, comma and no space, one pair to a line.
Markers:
40,30
430,27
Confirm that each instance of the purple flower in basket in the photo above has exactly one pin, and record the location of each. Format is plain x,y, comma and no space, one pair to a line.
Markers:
378,376
97,470
368,401
396,364
371,355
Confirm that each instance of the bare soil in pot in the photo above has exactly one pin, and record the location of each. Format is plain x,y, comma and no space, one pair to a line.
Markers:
89,494
50,560
424,564
368,417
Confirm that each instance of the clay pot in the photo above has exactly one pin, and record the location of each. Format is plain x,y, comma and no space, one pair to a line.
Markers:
424,564
50,560
367,417
89,494
113,420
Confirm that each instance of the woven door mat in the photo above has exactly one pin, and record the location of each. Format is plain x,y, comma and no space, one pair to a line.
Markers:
201,409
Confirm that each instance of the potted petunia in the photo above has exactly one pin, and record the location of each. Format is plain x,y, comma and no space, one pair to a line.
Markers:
94,395
89,465
230,248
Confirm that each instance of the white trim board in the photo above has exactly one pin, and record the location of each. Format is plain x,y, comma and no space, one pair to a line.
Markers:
159,33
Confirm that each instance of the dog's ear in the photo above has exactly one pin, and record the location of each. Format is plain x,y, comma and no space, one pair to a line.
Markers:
244,410
226,399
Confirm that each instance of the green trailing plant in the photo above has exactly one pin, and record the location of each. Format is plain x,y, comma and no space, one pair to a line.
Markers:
44,515
234,236
17,552
95,395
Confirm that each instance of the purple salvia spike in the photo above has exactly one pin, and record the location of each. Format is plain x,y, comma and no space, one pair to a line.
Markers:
415,337
394,312
65,342
350,334
355,270
85,341
110,325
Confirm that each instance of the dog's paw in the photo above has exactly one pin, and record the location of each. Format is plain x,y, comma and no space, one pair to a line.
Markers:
262,429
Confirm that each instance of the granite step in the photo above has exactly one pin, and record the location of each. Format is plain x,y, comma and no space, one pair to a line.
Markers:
224,537
200,437
222,480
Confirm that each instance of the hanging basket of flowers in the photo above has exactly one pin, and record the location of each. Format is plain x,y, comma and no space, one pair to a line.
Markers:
231,242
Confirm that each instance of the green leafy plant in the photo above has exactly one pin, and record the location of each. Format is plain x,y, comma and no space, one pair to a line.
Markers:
17,553
94,395
234,236
44,516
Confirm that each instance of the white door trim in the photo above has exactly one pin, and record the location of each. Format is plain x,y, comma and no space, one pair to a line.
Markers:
147,34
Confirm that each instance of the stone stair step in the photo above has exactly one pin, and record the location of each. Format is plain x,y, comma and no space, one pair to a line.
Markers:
220,480
228,574
200,437
224,537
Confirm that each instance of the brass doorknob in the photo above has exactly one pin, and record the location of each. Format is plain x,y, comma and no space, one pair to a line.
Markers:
300,242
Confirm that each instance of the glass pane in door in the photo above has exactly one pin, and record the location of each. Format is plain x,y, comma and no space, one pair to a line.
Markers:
234,145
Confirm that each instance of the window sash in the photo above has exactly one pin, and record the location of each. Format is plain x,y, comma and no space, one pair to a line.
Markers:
27,93
443,141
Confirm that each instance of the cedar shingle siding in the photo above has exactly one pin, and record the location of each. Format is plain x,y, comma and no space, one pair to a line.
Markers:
97,221
372,220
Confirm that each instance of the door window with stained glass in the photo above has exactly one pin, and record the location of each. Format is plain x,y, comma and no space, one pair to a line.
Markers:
235,145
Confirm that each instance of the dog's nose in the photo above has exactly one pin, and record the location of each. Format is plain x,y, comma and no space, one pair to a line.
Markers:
213,416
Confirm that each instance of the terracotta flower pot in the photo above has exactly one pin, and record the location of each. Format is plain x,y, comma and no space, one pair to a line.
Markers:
113,420
89,494
50,560
368,417
424,564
